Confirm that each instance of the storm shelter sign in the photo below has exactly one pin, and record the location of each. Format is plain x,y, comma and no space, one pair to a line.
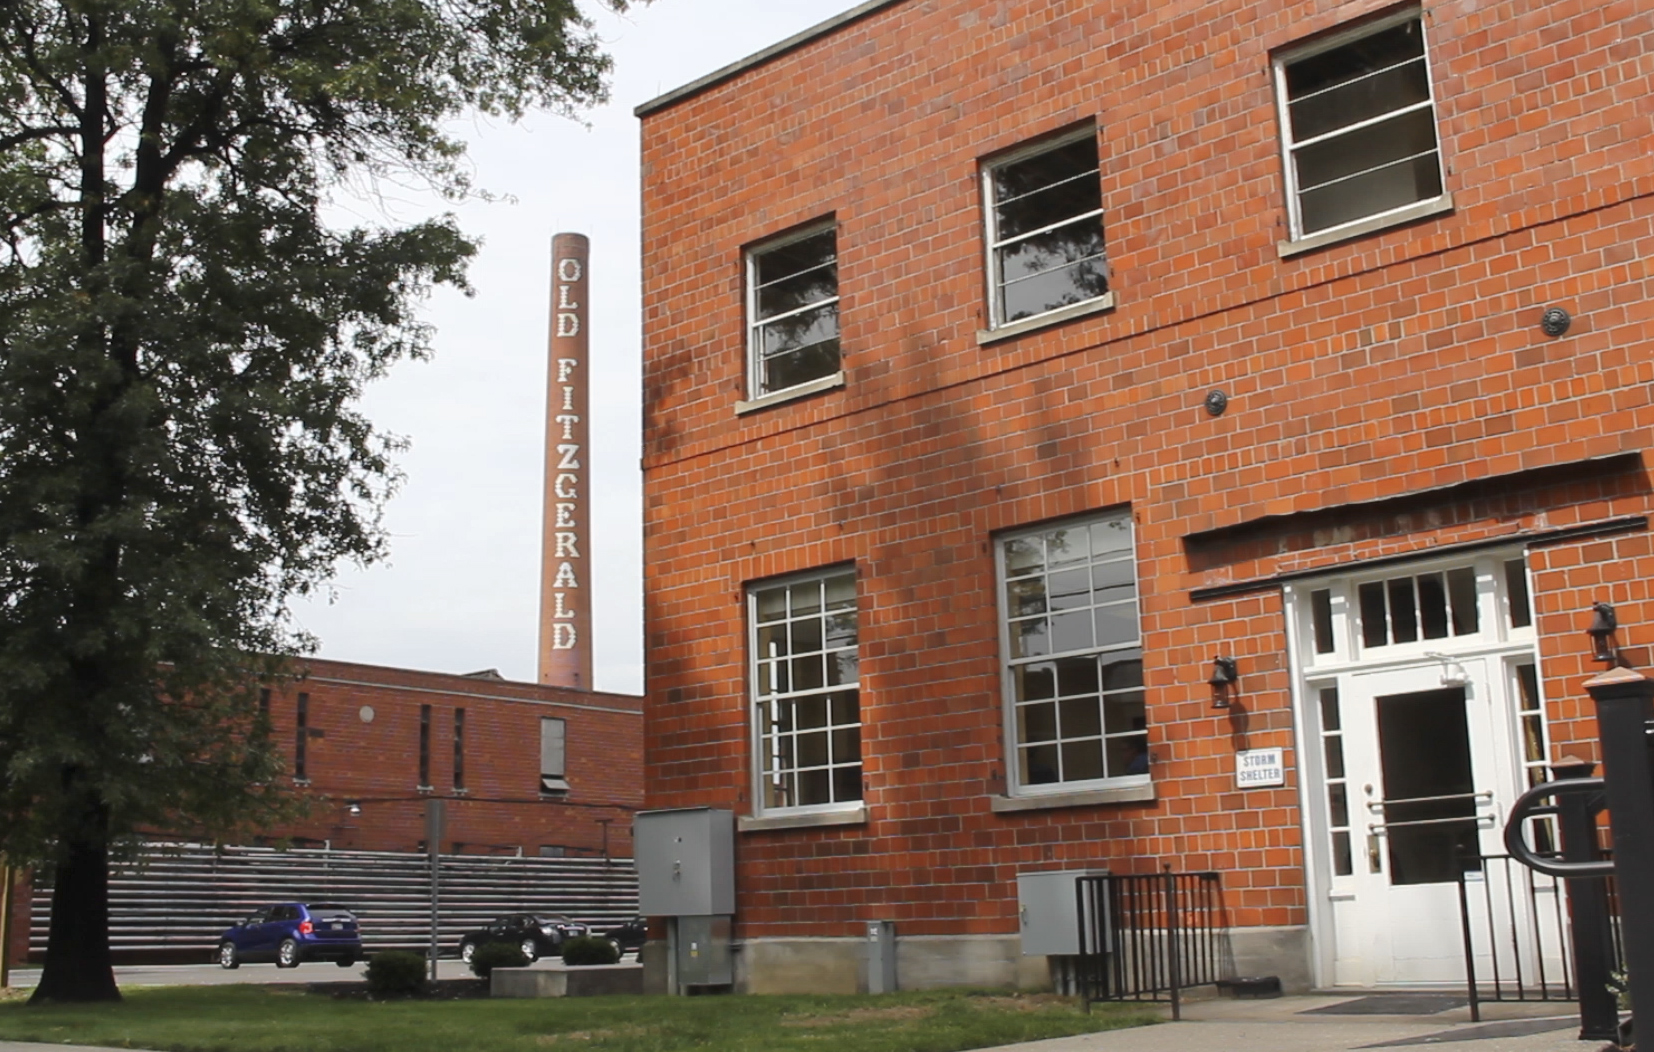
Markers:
565,608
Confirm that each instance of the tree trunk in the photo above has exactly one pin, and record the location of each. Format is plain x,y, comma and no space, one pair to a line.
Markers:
78,963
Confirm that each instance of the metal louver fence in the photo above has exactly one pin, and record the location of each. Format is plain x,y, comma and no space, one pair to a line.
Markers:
173,901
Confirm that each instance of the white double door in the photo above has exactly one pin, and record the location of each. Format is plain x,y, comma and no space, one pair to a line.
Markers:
1425,756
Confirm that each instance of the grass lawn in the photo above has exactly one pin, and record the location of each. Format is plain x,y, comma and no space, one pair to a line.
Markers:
287,1019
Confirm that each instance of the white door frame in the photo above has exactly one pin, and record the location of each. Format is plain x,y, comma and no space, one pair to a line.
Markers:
1499,643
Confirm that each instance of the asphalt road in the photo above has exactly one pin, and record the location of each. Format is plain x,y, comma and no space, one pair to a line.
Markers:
212,974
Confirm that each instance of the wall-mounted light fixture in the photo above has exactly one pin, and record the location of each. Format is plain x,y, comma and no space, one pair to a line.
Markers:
1603,625
1223,682
353,807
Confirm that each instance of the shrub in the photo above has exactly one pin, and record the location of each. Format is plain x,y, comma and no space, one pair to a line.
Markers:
396,973
589,949
492,955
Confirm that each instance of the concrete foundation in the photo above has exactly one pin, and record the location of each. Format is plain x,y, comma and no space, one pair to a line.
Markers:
1282,952
773,966
585,981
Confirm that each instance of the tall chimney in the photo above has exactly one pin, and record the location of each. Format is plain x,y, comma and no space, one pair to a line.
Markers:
565,569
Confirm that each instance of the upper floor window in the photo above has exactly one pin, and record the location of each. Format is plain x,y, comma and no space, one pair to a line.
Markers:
1359,122
792,310
1044,228
1073,653
806,690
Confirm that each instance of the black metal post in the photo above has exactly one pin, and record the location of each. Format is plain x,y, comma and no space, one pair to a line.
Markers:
1469,953
1622,696
1599,1015
1175,971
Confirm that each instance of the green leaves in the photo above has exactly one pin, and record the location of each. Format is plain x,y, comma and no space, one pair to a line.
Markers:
183,340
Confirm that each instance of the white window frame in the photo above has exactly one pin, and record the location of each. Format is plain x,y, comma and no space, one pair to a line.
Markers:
1298,239
756,392
992,242
1494,618
1009,664
767,761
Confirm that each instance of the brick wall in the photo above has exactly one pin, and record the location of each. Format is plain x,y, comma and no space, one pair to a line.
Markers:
501,809
1405,362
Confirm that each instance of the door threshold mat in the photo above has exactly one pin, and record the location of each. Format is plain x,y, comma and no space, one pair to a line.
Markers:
1510,1028
1393,1004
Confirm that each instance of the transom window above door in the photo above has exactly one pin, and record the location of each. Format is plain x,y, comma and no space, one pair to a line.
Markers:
1428,608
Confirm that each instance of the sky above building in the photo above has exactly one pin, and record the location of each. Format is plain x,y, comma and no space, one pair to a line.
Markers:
460,590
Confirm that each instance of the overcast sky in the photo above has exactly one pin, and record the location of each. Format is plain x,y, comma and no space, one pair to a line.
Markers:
460,591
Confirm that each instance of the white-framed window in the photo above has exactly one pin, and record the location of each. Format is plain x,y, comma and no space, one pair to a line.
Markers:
1073,658
1358,119
1044,216
806,682
1534,734
792,310
1404,612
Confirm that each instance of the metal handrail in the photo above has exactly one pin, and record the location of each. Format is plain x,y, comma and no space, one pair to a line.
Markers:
1376,806
1384,827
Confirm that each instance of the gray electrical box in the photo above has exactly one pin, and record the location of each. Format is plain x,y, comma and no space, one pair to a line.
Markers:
685,862
703,952
881,957
1048,911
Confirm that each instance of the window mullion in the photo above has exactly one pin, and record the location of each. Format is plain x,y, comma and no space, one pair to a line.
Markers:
1348,129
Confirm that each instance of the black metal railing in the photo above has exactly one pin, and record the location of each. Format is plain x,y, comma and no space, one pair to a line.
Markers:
1148,937
1516,925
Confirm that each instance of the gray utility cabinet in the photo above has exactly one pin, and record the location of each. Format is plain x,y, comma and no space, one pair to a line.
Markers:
1049,912
685,861
703,953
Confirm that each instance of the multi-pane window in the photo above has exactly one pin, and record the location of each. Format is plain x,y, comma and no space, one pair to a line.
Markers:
1073,652
1337,782
1419,606
1045,228
792,310
1536,747
1359,121
806,680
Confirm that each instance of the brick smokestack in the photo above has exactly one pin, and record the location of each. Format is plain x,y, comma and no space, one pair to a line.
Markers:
565,569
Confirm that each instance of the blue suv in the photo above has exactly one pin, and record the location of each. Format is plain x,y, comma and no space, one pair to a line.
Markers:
291,932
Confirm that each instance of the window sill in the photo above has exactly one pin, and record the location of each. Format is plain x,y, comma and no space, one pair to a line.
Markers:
1126,794
1434,206
822,383
808,820
1050,317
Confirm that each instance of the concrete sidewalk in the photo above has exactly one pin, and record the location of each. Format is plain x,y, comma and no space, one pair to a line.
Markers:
1355,1021
1300,1024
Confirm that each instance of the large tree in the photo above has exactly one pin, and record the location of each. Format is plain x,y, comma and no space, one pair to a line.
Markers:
183,337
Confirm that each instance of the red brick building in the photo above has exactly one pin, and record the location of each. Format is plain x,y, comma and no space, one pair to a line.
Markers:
1007,363
524,768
